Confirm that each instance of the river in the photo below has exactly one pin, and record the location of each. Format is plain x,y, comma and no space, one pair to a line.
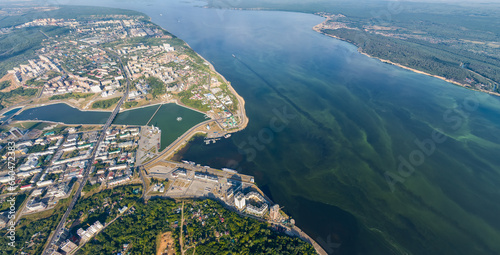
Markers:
362,153
165,118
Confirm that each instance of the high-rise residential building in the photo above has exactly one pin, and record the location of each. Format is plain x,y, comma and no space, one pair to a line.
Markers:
274,212
239,201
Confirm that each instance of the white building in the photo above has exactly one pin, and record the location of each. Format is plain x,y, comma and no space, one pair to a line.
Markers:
59,190
118,167
257,210
68,246
30,164
119,180
91,231
37,192
274,212
44,183
96,89
134,94
240,201
35,206
167,47
6,178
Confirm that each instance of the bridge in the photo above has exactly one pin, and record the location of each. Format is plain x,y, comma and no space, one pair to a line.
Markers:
53,239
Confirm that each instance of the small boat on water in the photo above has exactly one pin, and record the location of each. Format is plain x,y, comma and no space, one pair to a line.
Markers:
234,56
179,118
227,136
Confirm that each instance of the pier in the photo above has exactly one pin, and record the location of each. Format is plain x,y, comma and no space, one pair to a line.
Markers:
154,114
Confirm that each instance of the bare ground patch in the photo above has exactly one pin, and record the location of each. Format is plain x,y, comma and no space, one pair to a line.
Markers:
166,245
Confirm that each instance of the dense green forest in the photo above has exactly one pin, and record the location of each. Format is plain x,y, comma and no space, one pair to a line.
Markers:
122,196
236,234
208,226
104,104
427,57
157,86
4,84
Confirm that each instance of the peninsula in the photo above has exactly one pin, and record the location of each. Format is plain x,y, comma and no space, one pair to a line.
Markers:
69,183
87,61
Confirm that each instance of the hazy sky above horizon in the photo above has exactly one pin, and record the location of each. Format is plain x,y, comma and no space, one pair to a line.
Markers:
43,2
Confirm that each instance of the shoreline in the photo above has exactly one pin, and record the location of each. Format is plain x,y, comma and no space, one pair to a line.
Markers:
177,102
241,101
187,136
241,104
317,29
240,112
30,106
68,125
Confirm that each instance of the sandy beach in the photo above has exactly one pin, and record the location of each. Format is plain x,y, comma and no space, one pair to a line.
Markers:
317,28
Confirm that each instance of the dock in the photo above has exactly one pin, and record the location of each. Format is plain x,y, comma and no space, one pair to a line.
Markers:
154,114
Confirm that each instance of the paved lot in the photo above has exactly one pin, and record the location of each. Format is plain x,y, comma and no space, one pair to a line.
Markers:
161,172
189,186
148,144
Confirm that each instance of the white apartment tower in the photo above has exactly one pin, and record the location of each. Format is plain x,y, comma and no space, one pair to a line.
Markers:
239,201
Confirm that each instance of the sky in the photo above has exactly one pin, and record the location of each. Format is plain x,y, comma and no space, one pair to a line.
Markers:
301,1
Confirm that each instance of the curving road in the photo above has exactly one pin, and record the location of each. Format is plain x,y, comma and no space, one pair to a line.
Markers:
177,141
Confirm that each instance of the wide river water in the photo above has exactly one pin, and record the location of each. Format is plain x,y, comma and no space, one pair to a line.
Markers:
362,153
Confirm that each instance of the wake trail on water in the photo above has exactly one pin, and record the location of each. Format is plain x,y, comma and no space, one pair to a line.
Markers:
284,97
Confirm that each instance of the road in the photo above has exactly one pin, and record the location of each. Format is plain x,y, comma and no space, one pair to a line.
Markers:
48,37
54,237
181,241
144,186
176,142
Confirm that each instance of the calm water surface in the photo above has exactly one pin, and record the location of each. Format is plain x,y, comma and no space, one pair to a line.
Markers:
9,113
165,118
329,129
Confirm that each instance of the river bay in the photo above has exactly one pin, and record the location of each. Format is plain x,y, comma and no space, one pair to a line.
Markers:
165,118
374,157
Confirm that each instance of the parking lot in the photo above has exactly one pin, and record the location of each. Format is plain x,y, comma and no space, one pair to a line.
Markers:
161,172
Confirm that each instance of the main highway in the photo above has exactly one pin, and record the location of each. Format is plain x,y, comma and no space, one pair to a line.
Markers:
53,239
